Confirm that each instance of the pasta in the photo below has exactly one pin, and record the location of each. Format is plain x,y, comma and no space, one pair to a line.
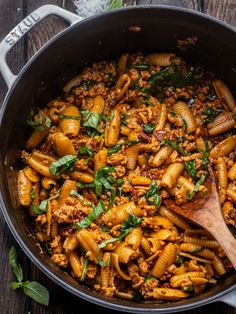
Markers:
104,160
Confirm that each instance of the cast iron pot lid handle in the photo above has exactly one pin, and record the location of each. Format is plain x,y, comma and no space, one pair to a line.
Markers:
23,27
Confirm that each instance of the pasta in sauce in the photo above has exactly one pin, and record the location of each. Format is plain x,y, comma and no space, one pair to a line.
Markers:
104,157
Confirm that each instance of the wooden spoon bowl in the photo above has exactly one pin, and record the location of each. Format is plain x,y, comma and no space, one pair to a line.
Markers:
206,212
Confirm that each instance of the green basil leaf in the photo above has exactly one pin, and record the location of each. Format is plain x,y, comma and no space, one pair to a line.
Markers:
65,117
115,4
149,277
137,296
123,119
104,243
32,195
196,187
132,142
146,99
43,205
131,222
101,263
190,167
62,164
188,288
152,196
196,250
205,155
176,147
179,260
210,115
148,128
103,179
84,269
84,150
41,123
141,66
114,149
91,217
16,267
37,292
75,193
16,285
90,119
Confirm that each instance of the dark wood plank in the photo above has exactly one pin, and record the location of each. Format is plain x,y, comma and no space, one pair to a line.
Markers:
60,301
224,10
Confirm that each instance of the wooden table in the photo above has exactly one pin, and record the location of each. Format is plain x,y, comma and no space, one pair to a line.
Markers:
11,13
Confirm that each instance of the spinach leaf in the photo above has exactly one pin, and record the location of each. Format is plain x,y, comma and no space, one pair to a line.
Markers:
196,187
114,149
40,123
91,217
148,128
153,195
190,167
62,164
176,146
131,222
84,150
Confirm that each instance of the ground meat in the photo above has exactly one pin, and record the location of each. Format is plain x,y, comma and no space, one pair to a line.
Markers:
117,159
60,259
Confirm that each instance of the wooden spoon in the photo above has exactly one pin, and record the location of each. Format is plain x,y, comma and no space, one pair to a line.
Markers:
206,212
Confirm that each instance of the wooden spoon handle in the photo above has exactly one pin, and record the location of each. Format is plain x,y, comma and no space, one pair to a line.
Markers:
225,238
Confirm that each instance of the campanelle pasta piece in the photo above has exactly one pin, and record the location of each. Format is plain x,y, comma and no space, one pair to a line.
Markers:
113,129
185,112
161,59
167,258
36,138
172,174
224,148
63,144
70,121
173,217
224,93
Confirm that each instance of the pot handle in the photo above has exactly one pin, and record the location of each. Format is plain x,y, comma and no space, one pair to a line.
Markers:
229,299
23,27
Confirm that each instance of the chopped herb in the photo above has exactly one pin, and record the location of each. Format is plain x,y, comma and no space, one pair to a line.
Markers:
190,167
84,150
92,132
88,84
32,289
90,119
153,195
123,119
184,124
103,179
80,185
115,4
101,263
189,288
65,117
172,112
199,249
176,147
76,194
62,164
141,66
114,149
146,100
32,194
205,155
111,198
137,296
149,277
119,183
84,269
104,243
148,128
40,123
210,114
196,187
132,142
91,217
131,222
44,204
179,260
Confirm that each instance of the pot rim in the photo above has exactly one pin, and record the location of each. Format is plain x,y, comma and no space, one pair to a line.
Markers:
100,300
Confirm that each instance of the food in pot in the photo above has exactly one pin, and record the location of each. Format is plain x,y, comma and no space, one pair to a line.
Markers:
102,160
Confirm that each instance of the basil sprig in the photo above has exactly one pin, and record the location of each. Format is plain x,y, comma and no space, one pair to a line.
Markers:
62,164
90,119
153,195
196,187
33,289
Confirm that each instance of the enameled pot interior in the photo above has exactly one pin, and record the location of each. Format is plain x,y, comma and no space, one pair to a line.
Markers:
104,38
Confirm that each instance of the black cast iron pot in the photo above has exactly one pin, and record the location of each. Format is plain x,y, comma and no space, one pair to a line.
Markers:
103,36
